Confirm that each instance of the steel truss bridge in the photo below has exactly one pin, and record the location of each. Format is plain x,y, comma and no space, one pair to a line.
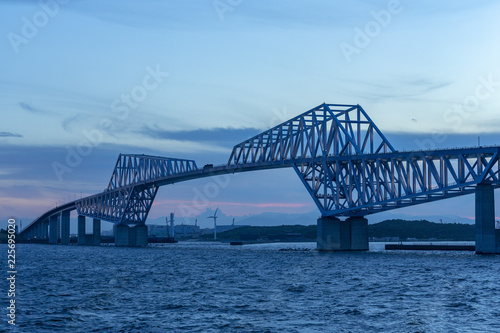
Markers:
344,161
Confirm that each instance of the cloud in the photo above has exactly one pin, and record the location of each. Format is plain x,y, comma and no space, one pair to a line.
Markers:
28,107
68,122
155,14
235,203
223,136
10,135
428,85
401,89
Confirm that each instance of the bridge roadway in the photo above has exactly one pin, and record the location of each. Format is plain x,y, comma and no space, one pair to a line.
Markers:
348,170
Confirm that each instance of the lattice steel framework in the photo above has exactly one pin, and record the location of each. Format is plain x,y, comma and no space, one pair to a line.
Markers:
326,130
135,169
349,167
340,155
361,185
132,190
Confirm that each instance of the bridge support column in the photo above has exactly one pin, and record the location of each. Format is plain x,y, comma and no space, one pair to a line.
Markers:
359,233
65,227
487,238
53,229
122,235
141,235
37,230
81,230
45,229
336,235
331,235
58,227
97,232
131,236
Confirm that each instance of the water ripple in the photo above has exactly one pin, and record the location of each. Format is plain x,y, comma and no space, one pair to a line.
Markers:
218,288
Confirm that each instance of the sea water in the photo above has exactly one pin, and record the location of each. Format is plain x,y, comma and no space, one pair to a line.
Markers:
216,287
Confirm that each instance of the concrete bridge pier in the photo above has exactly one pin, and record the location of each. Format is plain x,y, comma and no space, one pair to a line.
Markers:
121,232
30,233
58,227
45,229
37,231
131,236
34,231
336,235
96,232
81,230
141,235
91,239
487,237
65,227
53,232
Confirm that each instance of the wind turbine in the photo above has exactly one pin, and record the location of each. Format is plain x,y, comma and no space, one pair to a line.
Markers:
215,222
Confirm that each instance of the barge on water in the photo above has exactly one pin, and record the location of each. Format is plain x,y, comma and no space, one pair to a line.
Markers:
431,247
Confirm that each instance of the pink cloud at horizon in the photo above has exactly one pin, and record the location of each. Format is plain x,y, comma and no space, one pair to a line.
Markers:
24,207
187,208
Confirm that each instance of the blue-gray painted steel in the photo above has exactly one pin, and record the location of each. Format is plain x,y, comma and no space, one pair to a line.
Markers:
485,220
344,161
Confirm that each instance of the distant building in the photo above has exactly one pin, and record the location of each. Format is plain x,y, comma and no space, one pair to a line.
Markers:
157,230
186,231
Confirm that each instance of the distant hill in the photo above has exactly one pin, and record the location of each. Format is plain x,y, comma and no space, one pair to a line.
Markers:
279,233
279,219
423,230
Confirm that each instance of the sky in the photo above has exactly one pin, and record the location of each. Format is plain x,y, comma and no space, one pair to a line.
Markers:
82,81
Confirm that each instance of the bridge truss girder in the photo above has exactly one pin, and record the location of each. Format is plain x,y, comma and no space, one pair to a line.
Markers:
342,158
326,130
367,184
131,190
126,205
133,169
